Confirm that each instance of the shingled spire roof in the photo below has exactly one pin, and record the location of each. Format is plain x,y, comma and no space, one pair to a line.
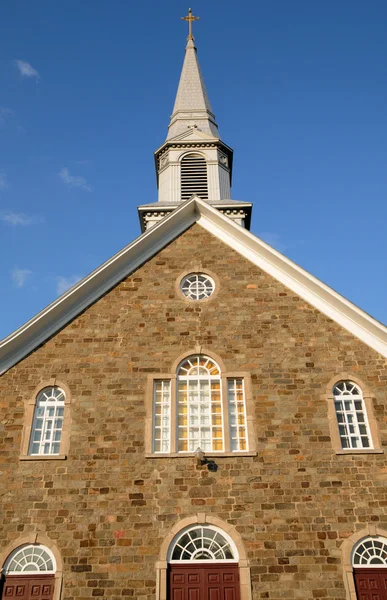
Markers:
192,106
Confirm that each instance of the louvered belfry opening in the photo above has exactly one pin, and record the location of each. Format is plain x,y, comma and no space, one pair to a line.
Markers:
194,177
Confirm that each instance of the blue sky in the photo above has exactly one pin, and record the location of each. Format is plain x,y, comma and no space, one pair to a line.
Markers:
299,90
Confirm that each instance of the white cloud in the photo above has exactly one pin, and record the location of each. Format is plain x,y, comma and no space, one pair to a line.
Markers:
74,180
20,218
276,241
26,70
65,283
273,239
19,276
3,180
5,113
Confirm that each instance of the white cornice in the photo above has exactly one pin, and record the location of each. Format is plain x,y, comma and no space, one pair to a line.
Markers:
31,335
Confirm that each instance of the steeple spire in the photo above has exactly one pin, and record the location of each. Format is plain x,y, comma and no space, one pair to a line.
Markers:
192,107
193,161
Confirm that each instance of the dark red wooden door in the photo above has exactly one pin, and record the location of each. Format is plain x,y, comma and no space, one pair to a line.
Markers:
37,587
371,584
204,582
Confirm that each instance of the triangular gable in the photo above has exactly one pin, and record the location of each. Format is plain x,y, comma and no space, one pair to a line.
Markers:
36,331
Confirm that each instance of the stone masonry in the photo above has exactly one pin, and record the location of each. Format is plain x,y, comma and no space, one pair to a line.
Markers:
108,507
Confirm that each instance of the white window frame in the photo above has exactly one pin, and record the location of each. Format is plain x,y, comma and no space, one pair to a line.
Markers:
351,415
192,443
223,409
195,289
378,539
238,426
164,428
25,549
43,408
218,530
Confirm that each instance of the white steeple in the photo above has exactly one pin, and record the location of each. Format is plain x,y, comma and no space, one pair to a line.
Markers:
193,159
192,107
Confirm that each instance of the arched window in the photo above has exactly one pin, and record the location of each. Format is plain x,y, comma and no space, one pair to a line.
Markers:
207,412
193,176
47,423
28,559
370,552
351,416
202,542
199,405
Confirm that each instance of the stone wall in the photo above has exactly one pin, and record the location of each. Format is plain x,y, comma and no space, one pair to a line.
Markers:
108,508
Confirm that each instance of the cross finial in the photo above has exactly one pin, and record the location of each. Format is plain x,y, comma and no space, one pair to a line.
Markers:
190,18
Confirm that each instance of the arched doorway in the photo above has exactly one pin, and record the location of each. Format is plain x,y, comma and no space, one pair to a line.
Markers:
203,564
369,561
29,572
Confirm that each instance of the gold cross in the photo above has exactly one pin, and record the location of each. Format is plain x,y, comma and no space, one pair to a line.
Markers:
190,18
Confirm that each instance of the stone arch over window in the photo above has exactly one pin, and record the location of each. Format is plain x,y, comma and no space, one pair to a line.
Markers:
199,404
349,548
201,519
47,435
193,176
35,554
352,422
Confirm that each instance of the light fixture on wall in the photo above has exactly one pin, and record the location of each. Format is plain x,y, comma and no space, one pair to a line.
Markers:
200,459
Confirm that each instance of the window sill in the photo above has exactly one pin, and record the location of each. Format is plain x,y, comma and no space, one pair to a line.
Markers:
208,455
43,457
361,451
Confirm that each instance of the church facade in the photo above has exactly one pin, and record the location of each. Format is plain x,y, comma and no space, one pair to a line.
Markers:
199,418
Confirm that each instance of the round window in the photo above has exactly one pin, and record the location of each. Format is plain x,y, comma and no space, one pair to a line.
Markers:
197,286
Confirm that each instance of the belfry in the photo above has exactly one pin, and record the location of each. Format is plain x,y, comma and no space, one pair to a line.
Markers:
193,161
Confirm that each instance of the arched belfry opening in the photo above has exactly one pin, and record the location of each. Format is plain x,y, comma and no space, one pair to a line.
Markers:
193,176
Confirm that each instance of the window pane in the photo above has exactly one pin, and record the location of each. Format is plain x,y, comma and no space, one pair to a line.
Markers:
199,398
237,414
161,415
46,429
351,416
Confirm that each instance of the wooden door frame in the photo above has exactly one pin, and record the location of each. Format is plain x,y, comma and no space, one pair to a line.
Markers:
202,519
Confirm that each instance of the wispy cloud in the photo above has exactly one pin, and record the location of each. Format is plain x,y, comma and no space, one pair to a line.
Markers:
74,181
3,180
20,276
5,113
277,242
26,70
65,283
14,219
273,239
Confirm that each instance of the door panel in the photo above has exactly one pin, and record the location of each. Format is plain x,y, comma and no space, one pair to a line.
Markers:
37,587
371,584
204,581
